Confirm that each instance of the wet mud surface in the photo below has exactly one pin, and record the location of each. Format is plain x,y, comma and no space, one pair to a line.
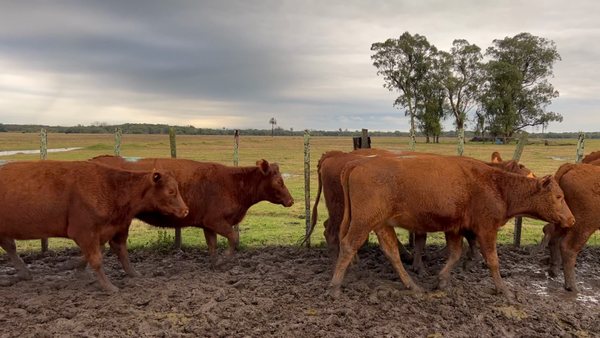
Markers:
281,292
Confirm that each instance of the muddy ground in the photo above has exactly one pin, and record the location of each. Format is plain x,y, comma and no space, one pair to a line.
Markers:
280,292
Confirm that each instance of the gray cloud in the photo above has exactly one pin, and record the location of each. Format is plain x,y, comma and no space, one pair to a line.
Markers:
239,63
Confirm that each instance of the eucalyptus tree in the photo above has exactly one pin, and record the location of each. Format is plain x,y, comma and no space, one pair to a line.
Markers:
461,77
531,60
404,63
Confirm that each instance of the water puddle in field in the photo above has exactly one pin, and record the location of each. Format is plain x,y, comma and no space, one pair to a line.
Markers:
558,158
554,288
36,151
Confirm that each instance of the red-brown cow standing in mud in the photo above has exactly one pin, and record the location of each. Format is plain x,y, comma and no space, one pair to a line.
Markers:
510,166
431,194
218,196
329,170
582,194
87,202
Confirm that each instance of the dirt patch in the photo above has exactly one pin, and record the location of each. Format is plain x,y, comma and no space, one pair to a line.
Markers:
280,292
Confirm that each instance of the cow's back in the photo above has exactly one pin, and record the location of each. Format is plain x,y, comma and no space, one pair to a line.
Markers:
207,188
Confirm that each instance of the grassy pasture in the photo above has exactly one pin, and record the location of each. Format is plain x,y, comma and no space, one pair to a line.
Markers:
265,223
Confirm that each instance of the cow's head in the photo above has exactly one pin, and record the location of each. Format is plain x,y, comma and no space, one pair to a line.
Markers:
164,194
550,203
272,187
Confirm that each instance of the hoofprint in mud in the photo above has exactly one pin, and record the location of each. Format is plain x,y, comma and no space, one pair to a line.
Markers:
280,292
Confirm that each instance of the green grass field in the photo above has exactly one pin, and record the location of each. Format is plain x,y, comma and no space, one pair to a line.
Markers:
265,223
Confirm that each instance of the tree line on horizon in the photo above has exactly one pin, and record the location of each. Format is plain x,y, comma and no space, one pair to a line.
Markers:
501,91
146,128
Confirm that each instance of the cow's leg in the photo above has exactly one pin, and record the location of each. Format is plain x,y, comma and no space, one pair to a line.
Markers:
405,256
417,264
555,255
454,244
211,241
473,254
8,244
119,246
388,243
356,235
226,230
333,241
570,246
90,247
487,241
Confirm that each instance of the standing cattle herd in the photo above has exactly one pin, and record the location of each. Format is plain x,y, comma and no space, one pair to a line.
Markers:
93,203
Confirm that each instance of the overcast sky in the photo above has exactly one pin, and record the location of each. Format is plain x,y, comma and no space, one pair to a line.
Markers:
236,64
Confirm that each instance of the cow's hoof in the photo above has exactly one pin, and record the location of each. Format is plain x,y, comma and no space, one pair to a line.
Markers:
416,288
134,274
24,275
334,293
553,273
507,293
571,288
443,284
110,288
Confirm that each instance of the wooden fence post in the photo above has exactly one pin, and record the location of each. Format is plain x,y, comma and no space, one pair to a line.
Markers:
517,157
118,135
236,155
364,142
307,183
580,145
43,156
173,143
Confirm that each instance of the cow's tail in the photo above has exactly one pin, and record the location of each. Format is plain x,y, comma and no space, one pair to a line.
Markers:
315,215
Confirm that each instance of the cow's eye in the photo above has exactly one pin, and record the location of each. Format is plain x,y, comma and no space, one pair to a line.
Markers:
558,196
171,192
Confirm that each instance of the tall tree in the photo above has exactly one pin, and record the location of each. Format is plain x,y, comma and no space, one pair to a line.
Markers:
272,122
460,74
404,63
533,58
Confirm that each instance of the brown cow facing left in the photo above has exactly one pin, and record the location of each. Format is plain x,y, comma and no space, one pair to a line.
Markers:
87,202
450,194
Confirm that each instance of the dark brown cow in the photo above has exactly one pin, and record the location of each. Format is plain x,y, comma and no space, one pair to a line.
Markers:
89,203
582,194
329,170
591,157
431,194
218,196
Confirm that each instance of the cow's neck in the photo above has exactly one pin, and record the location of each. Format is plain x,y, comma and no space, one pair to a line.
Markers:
247,180
130,189
517,192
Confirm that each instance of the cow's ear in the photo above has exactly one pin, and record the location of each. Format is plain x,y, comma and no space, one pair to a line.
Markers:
263,165
546,180
495,160
274,167
156,176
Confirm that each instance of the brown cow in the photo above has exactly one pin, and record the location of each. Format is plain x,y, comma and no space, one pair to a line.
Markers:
89,203
218,196
510,166
591,157
431,194
329,170
582,194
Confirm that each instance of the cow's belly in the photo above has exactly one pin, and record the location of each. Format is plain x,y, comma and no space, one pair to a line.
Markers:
425,222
